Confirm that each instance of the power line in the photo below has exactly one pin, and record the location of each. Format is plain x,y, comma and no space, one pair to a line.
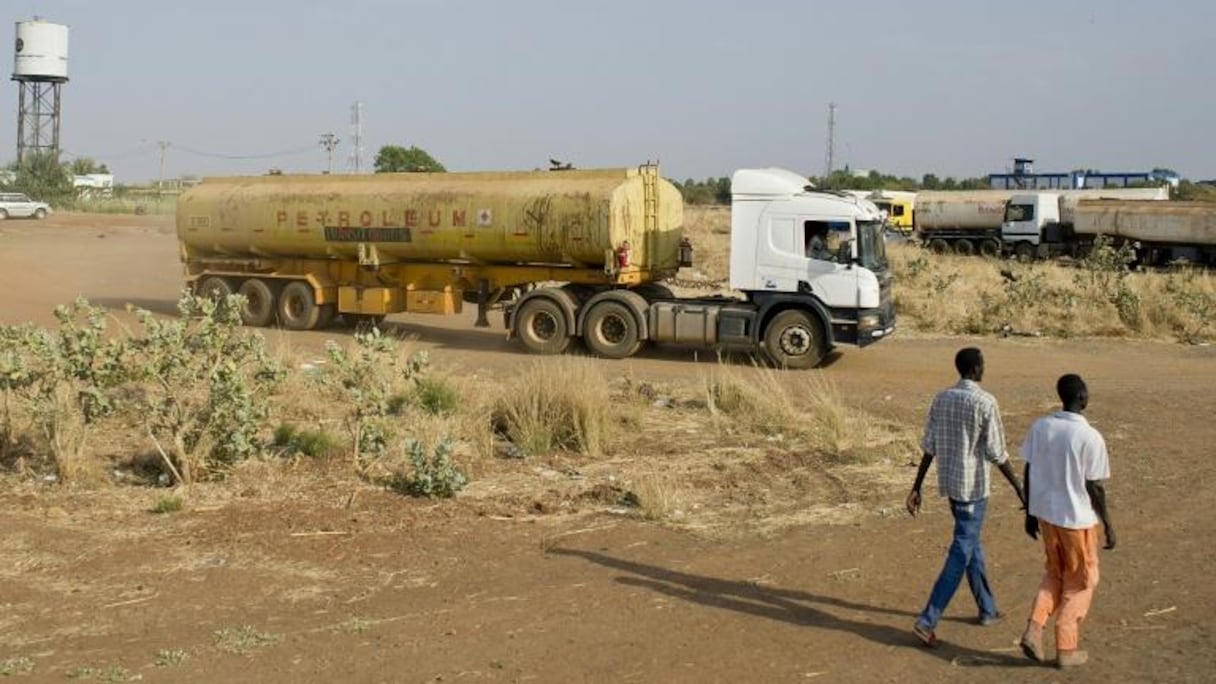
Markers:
329,142
267,155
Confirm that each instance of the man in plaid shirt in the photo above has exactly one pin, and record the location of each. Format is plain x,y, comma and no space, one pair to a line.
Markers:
964,433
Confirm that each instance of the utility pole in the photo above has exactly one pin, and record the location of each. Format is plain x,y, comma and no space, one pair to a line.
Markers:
329,142
831,138
160,178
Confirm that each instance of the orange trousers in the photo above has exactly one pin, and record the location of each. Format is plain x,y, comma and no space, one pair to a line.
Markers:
1071,575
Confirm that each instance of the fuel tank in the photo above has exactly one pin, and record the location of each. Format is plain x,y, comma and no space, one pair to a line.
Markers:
569,218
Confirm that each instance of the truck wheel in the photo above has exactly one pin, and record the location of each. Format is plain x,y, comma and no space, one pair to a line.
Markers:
964,247
40,214
298,308
611,330
3,214
258,309
213,287
939,246
541,325
793,339
1024,251
990,248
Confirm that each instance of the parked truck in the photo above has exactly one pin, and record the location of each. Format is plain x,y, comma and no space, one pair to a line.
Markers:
970,221
566,255
897,205
1048,224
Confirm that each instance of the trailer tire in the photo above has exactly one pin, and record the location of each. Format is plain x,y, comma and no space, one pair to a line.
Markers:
541,325
964,247
214,288
1024,251
610,330
939,246
258,308
795,339
991,248
297,307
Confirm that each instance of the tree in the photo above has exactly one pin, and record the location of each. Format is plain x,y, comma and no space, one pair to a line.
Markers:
395,159
42,177
83,166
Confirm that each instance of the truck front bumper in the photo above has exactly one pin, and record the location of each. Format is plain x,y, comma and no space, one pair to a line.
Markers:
875,324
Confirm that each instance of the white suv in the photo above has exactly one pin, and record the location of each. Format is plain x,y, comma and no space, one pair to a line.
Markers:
18,205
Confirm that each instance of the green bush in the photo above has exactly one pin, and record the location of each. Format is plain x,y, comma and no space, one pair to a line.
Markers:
203,374
316,443
436,396
435,477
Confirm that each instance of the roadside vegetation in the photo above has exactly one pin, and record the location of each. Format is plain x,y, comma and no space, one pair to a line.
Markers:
189,405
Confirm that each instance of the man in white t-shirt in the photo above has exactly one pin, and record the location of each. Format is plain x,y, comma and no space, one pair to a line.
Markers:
1066,464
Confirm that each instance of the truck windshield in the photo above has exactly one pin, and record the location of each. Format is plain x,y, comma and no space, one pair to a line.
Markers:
1019,212
871,249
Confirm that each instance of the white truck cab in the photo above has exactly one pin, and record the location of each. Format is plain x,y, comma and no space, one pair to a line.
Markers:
790,240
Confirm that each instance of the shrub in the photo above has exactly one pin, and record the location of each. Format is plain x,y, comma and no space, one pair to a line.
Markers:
436,396
202,374
435,477
366,377
67,378
316,443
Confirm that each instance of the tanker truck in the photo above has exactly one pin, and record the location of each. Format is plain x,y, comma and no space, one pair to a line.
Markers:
565,255
969,221
1047,224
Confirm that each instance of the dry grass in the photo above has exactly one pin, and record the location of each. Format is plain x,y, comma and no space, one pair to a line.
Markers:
556,404
659,497
967,295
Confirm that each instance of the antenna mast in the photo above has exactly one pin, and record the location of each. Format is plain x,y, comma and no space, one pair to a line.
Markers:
831,161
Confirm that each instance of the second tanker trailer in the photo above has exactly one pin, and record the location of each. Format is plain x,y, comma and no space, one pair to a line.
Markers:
570,254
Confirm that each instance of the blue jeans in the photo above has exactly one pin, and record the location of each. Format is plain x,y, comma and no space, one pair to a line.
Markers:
966,557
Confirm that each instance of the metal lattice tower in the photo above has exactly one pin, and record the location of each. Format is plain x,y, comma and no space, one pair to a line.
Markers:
356,136
831,160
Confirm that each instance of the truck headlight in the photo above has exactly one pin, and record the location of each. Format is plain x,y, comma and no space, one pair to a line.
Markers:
869,321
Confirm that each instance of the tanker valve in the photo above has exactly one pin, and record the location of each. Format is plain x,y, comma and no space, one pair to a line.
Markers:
624,254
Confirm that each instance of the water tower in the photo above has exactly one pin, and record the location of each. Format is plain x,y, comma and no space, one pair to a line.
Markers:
40,68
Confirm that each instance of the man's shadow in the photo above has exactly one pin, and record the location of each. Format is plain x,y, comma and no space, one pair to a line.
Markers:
785,605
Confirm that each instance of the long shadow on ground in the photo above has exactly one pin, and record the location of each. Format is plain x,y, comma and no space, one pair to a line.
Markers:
786,605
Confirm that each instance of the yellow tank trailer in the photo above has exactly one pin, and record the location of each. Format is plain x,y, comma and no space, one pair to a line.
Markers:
304,248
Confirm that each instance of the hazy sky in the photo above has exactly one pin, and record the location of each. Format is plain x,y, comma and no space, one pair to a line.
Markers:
704,86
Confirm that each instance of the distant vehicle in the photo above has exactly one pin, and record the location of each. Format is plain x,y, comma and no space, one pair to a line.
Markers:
1049,224
18,205
897,205
969,221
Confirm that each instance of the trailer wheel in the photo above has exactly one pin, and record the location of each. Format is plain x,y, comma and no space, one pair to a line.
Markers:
1024,251
298,308
540,324
611,330
794,339
990,248
213,287
939,246
964,247
258,308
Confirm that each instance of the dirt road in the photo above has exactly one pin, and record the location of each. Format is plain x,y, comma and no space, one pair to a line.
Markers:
332,584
